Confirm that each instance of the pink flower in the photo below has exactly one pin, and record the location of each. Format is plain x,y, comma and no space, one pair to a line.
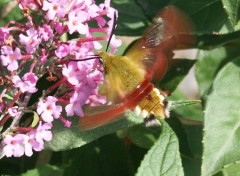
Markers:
45,32
45,52
31,41
4,35
69,71
28,4
43,132
9,57
55,8
13,111
31,144
59,27
82,51
27,83
43,57
100,21
76,102
76,22
95,44
1,106
66,123
62,51
13,145
92,10
48,109
94,79
79,73
34,139
115,43
96,99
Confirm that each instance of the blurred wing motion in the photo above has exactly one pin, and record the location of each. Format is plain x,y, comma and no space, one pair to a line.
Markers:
128,77
97,116
169,31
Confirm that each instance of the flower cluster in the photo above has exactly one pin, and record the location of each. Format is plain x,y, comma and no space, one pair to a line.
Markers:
42,77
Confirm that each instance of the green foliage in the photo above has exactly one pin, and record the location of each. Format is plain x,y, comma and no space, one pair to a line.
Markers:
222,120
232,10
2,2
175,74
163,158
126,146
44,170
65,138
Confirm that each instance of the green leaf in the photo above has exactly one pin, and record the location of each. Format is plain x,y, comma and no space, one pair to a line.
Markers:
152,7
222,120
175,74
203,13
163,158
68,138
44,170
178,128
2,2
106,156
189,112
142,136
232,8
131,20
210,62
207,66
210,41
14,14
232,169
35,119
192,164
17,165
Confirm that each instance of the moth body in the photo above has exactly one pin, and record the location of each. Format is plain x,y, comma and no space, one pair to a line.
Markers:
124,77
128,78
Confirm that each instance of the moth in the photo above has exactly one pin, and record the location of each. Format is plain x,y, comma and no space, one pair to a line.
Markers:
128,78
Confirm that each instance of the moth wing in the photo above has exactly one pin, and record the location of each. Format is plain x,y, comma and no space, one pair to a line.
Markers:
101,115
97,116
169,31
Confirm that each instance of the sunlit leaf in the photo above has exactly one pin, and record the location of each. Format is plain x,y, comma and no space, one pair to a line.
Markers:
210,62
73,137
35,119
232,8
232,169
163,158
222,120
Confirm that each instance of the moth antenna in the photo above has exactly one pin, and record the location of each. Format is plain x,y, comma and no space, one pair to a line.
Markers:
113,29
85,59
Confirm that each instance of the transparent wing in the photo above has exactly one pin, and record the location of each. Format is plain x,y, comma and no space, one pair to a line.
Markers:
97,116
169,31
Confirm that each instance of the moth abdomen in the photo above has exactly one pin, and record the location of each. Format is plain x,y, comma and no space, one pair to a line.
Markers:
153,107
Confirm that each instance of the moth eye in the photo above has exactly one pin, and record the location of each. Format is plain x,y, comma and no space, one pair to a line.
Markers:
101,61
